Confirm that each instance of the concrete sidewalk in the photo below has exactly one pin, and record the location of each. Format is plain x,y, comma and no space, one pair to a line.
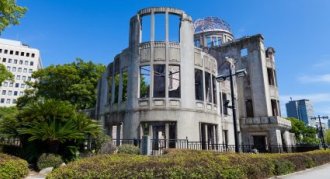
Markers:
321,172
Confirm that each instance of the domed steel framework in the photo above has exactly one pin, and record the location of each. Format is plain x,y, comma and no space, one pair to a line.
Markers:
211,24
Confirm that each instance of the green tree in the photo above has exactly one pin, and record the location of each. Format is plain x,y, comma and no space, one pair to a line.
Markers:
304,134
75,82
10,13
327,136
5,74
8,122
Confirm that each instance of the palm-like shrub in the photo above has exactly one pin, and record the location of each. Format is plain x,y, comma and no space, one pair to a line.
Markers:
53,126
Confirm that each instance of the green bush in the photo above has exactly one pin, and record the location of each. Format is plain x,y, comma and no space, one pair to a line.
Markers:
49,160
12,167
191,164
128,149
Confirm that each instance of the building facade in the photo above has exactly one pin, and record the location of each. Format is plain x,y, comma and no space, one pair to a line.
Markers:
302,110
21,60
168,89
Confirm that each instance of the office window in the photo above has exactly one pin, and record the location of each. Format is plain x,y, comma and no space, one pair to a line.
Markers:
16,85
10,60
14,101
22,53
4,92
27,54
21,93
11,84
32,55
26,62
13,69
29,78
22,85
5,84
15,61
0,50
30,70
2,100
8,101
24,78
10,93
31,63
15,93
17,53
6,51
11,52
4,60
21,62
8,68
19,69
18,77
25,70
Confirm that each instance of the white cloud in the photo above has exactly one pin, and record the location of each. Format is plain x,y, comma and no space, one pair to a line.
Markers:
325,78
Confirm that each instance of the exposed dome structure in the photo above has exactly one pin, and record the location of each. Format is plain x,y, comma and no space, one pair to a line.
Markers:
211,24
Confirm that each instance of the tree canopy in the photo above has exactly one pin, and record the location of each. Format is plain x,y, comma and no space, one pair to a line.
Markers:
10,13
304,134
5,74
74,82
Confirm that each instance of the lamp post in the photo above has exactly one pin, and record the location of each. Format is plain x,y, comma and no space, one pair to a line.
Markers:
321,128
239,73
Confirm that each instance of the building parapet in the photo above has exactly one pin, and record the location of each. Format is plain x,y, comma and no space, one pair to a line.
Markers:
260,121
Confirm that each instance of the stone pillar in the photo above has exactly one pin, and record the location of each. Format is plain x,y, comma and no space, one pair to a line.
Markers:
275,140
167,134
152,26
287,141
146,145
206,137
118,135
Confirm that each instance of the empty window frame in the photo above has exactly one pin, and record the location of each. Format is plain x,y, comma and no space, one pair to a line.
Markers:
116,92
174,81
145,79
271,79
110,81
225,102
208,89
249,108
244,52
145,28
159,81
174,28
275,110
124,78
214,83
159,27
199,89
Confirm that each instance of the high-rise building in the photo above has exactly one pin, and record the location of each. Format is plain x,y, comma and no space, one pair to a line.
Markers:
21,60
301,109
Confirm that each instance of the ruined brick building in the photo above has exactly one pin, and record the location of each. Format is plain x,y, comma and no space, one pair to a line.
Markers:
166,87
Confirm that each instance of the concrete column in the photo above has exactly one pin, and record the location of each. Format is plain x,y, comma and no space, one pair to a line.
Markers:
167,27
206,137
287,141
214,135
167,134
118,134
152,26
275,140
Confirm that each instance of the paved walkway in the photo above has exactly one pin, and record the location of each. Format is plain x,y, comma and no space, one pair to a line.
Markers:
321,172
35,175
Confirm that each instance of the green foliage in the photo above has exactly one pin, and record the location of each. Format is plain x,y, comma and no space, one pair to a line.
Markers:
4,73
10,13
304,134
128,149
50,126
49,160
12,167
327,136
75,82
191,164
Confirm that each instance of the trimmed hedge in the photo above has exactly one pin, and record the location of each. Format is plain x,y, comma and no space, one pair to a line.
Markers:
191,164
49,160
12,167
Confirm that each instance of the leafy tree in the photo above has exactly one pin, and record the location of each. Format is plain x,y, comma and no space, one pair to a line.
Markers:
5,74
8,122
75,82
327,136
304,134
10,13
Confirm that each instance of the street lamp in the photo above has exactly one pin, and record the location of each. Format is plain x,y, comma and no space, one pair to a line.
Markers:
239,73
321,128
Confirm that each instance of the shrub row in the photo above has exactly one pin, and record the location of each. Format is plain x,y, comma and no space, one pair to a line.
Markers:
191,164
12,167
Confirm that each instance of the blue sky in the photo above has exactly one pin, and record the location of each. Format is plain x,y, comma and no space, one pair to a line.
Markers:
97,30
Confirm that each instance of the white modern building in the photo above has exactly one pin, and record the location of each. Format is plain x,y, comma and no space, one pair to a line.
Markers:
21,60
